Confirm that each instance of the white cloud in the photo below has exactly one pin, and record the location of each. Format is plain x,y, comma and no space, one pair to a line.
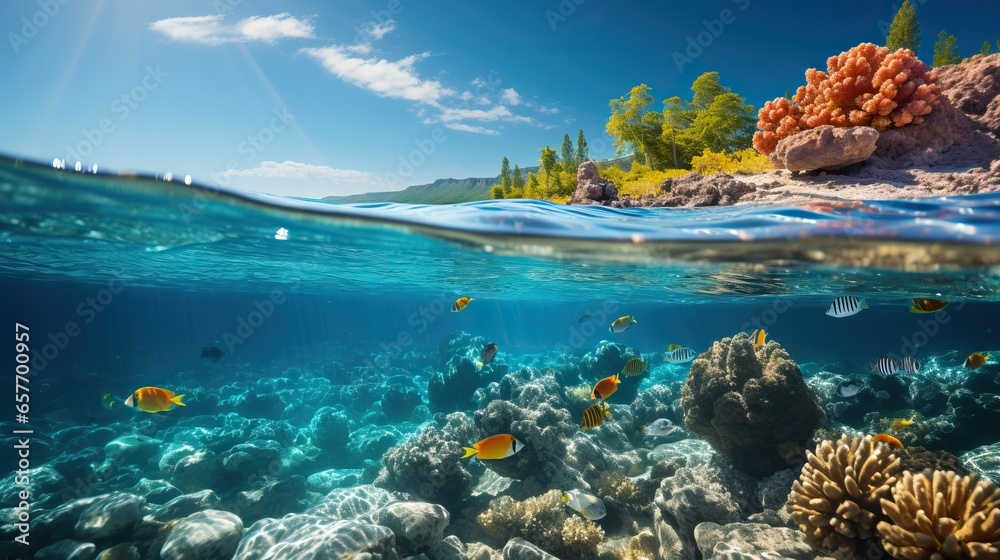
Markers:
466,95
497,113
209,30
484,100
293,178
362,49
549,110
510,96
297,170
470,128
379,30
386,78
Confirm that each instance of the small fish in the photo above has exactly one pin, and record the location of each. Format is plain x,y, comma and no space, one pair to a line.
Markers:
589,506
848,389
910,365
884,366
757,338
211,353
585,319
672,347
975,360
489,352
108,401
886,438
605,387
594,415
845,306
660,427
927,305
154,399
634,367
460,304
494,447
622,324
902,423
680,356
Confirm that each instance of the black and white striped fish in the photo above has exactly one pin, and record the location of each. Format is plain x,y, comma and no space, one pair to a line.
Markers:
680,356
885,366
910,365
845,306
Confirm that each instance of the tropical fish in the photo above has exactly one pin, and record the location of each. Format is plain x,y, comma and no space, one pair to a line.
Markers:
910,365
460,304
927,305
211,353
672,347
585,319
622,324
884,366
886,438
659,428
108,401
589,506
845,306
757,338
489,352
605,387
848,389
594,415
154,399
975,360
499,446
902,423
634,367
680,356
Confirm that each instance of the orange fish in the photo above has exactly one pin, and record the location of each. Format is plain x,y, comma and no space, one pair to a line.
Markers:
757,338
887,439
927,305
605,387
976,360
154,399
460,304
494,447
594,415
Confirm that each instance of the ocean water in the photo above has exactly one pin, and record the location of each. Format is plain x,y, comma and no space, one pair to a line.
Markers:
334,321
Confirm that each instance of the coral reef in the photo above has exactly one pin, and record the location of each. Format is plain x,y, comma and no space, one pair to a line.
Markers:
837,497
543,521
746,402
864,86
937,514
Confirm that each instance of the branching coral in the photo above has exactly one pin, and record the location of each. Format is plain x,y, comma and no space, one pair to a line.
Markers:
836,499
864,86
543,521
938,515
618,487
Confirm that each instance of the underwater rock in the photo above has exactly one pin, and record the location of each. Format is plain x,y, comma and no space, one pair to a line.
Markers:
607,358
155,491
191,469
78,466
591,188
542,429
205,535
325,481
417,525
750,403
429,466
121,551
452,389
751,540
251,459
369,443
109,515
398,403
56,524
917,459
684,453
132,449
307,537
330,429
973,86
825,147
44,480
353,502
67,549
183,506
520,549
984,460
658,401
271,498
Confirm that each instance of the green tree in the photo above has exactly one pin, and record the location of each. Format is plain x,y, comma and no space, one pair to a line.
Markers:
505,173
985,50
706,88
946,50
583,152
904,31
548,167
566,154
998,45
634,127
517,181
496,192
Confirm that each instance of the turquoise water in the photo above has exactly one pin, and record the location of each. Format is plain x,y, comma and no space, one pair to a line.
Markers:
339,344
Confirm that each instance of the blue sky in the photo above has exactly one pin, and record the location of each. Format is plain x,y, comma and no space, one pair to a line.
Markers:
313,98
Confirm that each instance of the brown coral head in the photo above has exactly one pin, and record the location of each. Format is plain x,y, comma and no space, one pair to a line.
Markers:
836,500
937,515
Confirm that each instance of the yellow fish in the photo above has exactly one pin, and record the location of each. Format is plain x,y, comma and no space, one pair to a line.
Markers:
460,304
634,367
108,401
605,387
927,305
499,446
900,424
757,338
153,399
976,360
673,347
594,415
622,324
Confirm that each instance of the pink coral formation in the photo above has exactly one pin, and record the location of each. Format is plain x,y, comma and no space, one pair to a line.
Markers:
865,86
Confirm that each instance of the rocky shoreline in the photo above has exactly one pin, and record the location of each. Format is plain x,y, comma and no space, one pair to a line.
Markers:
955,151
